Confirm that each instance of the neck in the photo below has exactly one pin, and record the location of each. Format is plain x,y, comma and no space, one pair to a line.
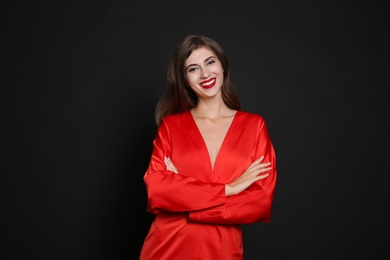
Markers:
211,109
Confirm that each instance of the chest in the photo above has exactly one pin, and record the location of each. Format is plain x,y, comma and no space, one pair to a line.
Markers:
212,152
213,135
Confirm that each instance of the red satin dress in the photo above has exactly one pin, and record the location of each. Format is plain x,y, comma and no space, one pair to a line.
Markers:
194,219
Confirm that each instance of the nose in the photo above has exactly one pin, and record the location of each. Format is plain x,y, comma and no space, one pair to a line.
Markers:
205,73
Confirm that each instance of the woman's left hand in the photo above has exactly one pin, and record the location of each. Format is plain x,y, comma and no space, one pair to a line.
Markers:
170,166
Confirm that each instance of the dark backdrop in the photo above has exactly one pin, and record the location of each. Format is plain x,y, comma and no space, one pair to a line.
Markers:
80,84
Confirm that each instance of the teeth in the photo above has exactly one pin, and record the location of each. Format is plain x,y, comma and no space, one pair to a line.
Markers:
208,83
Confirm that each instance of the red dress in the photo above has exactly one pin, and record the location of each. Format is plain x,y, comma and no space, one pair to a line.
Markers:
194,218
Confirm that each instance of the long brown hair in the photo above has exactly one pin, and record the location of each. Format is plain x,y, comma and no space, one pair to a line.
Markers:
178,97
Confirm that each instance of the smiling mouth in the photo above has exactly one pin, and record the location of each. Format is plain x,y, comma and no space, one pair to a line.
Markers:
208,84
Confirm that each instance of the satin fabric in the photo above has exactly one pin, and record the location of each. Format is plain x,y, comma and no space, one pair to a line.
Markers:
194,218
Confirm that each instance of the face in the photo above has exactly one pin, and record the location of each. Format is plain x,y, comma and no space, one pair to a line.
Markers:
204,73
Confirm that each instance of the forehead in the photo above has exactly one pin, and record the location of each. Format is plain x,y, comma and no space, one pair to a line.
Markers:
199,55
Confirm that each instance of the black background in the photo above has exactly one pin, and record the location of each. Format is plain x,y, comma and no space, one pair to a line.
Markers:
80,85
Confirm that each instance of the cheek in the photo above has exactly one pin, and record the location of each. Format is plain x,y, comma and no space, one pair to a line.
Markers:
191,78
219,70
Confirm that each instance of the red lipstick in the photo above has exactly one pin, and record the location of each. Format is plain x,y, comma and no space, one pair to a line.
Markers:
208,83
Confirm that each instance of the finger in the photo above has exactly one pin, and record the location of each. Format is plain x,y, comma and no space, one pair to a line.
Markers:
260,171
167,163
170,168
263,176
260,166
258,160
265,164
261,158
257,171
170,165
255,162
174,169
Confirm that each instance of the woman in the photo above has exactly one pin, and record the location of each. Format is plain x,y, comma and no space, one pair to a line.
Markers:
212,167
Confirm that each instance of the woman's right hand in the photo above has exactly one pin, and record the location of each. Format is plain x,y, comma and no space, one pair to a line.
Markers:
169,165
252,174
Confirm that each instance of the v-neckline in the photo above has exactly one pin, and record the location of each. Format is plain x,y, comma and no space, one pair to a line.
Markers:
212,165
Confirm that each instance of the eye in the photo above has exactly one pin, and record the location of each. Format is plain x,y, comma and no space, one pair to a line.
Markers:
210,62
192,69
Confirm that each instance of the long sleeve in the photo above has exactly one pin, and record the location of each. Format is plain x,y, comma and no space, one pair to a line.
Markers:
172,192
253,204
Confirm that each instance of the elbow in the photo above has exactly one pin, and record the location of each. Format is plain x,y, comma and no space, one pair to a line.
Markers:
263,214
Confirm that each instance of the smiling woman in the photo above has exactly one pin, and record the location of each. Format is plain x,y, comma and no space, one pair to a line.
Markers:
213,166
204,72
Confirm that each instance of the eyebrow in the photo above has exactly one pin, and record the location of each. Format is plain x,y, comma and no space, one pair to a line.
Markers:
211,57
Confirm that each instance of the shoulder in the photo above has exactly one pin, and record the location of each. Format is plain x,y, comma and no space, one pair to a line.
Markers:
176,121
250,116
251,121
255,123
175,118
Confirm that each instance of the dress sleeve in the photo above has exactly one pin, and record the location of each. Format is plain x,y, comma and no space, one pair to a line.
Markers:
172,192
255,203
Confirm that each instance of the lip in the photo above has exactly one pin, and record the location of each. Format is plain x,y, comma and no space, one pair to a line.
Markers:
211,83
